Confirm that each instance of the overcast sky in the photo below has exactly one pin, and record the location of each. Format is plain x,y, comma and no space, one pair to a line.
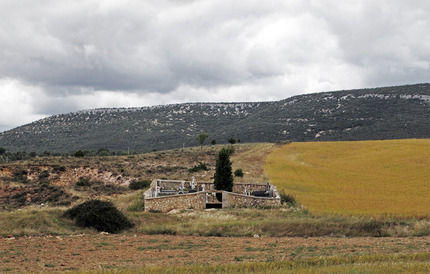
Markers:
68,55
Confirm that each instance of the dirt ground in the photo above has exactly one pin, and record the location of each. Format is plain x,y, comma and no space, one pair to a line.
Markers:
104,252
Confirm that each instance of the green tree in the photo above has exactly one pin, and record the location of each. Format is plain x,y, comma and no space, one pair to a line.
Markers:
2,150
232,141
223,174
202,138
103,152
79,153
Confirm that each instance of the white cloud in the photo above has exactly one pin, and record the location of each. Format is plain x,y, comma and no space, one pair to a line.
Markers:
85,54
16,100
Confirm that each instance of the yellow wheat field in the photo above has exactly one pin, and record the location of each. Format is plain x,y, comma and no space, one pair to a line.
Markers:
356,178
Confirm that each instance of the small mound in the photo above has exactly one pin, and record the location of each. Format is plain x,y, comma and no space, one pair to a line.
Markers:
101,215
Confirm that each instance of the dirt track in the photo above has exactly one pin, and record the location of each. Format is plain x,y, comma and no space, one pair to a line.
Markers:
97,252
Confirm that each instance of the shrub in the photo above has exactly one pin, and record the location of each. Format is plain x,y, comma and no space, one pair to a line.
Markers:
141,184
20,175
230,150
101,215
200,166
83,182
238,172
103,152
59,168
287,198
44,182
43,175
79,153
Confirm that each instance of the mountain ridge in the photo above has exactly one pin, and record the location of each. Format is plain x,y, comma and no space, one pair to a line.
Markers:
361,114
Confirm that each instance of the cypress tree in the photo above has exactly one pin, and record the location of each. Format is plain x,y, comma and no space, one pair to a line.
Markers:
223,174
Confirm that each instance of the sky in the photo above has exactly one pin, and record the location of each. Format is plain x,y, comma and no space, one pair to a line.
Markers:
64,56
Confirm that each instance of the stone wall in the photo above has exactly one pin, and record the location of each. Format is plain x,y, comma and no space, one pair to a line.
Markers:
150,191
184,201
173,185
230,199
237,187
198,200
176,185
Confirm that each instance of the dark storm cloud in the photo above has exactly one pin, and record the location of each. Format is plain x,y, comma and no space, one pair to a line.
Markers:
61,56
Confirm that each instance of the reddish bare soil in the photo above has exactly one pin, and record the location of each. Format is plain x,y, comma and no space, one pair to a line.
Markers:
98,252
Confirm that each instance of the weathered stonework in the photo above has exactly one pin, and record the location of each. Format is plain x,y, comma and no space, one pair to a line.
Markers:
239,187
185,201
238,200
163,196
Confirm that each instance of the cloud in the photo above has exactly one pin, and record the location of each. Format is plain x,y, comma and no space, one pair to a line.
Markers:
385,38
16,100
86,54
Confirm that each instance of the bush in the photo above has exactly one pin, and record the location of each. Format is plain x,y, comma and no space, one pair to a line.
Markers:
20,175
287,199
103,152
79,153
200,166
59,169
230,150
101,215
238,172
43,175
83,182
141,184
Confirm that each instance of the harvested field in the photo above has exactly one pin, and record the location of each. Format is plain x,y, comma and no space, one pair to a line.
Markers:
107,252
373,178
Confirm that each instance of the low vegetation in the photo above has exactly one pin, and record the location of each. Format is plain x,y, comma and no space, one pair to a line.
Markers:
200,166
238,172
285,221
240,222
287,199
101,215
139,184
373,178
412,263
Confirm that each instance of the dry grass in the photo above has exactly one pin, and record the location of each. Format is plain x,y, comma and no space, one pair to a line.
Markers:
276,222
170,164
356,178
411,263
250,159
35,221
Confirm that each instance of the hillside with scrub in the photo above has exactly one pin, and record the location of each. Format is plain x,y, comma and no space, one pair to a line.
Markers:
365,114
373,178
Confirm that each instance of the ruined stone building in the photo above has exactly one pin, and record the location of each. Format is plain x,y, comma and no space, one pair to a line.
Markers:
166,195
